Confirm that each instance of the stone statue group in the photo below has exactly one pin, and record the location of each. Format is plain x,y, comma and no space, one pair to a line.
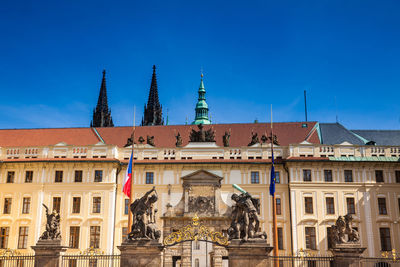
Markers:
144,217
245,221
342,228
52,231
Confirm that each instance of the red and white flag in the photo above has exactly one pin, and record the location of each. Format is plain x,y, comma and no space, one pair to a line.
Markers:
128,179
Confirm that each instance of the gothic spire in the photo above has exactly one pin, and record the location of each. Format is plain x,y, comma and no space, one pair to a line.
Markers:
153,110
102,114
201,106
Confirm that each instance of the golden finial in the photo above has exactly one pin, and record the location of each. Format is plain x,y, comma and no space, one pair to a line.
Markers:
195,219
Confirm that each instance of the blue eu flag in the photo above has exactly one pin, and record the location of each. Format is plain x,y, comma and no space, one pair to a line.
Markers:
272,183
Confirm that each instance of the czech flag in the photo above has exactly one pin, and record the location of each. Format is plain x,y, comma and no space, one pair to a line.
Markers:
272,183
128,179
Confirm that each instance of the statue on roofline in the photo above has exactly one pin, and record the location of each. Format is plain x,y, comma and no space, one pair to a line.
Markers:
254,139
150,140
201,135
226,137
178,140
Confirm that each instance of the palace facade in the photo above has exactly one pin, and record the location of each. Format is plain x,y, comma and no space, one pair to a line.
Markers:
79,172
323,170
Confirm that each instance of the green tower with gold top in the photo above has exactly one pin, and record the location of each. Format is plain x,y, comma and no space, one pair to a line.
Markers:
201,106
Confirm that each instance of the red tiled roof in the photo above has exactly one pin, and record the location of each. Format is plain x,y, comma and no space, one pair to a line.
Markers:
164,136
47,137
313,137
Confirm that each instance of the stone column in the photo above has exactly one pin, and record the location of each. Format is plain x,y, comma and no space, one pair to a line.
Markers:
168,258
142,252
216,256
254,252
48,252
347,255
186,257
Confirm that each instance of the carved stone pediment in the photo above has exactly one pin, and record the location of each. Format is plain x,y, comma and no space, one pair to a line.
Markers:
202,177
201,195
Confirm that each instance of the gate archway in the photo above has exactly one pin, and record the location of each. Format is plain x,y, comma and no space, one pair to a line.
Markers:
201,197
194,233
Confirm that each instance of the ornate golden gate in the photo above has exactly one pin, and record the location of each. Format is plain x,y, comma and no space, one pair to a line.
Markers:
195,231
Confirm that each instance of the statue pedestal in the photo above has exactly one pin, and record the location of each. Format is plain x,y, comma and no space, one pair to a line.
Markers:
141,252
254,252
47,253
347,255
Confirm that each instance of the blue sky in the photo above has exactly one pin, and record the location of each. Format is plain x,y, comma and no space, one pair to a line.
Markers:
256,53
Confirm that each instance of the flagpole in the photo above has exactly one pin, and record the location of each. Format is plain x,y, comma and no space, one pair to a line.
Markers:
275,228
132,175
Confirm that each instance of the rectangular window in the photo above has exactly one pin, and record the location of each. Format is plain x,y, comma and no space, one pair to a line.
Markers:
397,174
78,176
74,237
328,175
98,176
124,233
348,176
59,176
7,205
4,233
26,205
255,177
197,245
307,175
28,176
351,208
57,204
95,236
23,237
280,238
310,238
379,176
126,211
76,205
328,234
149,177
96,204
278,206
386,244
330,205
10,176
308,203
382,206
277,177
398,201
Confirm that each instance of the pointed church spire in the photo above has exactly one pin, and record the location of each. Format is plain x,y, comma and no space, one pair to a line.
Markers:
102,114
153,110
201,106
